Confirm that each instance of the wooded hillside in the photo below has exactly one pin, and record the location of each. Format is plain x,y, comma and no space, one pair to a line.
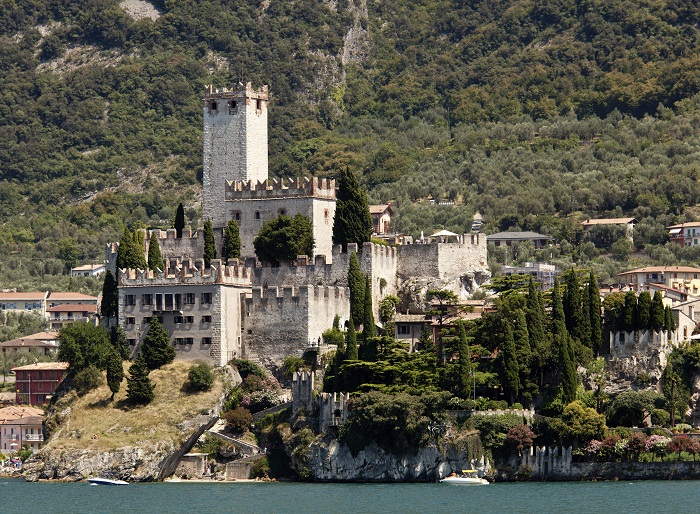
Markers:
513,108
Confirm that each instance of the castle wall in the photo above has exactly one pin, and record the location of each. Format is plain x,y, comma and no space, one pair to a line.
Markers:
234,144
252,204
647,350
200,310
281,321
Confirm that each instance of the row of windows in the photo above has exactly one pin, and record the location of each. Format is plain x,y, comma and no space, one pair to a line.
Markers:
131,320
178,341
167,301
13,306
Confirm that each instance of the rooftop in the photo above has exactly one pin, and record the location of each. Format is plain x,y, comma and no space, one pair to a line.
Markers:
71,296
73,307
23,296
39,339
379,209
517,235
57,366
661,269
17,411
609,221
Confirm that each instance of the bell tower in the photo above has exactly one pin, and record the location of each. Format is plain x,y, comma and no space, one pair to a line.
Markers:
235,143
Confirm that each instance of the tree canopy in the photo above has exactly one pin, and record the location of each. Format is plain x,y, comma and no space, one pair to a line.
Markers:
156,349
353,222
284,238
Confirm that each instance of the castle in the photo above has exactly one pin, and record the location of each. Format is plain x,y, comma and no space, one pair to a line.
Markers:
242,309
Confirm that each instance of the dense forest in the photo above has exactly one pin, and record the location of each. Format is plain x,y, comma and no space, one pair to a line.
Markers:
537,114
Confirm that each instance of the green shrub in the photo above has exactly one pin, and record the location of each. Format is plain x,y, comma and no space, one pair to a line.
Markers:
246,367
238,419
660,418
291,364
260,469
233,401
87,379
200,378
252,383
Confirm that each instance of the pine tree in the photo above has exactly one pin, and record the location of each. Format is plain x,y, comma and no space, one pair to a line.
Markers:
155,258
118,339
232,241
110,296
179,220
209,243
353,222
115,372
156,348
510,369
657,312
644,310
139,388
356,283
596,319
351,342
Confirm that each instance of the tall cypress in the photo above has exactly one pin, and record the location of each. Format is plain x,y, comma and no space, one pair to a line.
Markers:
125,251
118,339
155,257
209,243
644,310
522,346
156,348
585,326
596,318
179,220
510,370
110,296
572,304
562,341
115,372
464,368
139,250
232,241
353,222
368,325
356,283
351,342
536,321
657,312
629,312
669,321
139,388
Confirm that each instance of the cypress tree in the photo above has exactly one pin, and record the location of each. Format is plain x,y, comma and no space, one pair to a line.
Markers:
125,251
110,296
510,378
353,222
115,372
644,310
119,342
585,326
562,341
156,348
179,220
232,241
657,312
368,325
669,321
209,243
464,367
629,312
356,283
155,257
139,388
351,342
596,318
522,345
536,320
572,304
139,249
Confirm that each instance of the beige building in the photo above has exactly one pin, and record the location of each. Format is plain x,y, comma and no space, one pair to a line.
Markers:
42,343
20,426
24,302
381,218
681,278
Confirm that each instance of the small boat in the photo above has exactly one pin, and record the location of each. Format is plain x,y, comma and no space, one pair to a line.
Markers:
106,481
468,477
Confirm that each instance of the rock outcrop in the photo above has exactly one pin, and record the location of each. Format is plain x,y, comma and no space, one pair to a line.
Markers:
331,461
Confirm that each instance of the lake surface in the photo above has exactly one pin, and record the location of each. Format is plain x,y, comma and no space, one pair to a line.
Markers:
17,497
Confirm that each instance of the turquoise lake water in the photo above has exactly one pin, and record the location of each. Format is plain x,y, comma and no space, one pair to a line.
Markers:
17,496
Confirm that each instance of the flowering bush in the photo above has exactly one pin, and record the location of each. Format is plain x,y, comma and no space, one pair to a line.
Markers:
684,443
657,444
609,449
520,437
636,444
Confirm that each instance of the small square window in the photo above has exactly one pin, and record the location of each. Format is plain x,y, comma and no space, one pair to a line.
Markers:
206,340
132,342
257,215
206,298
206,319
131,320
189,298
147,299
129,300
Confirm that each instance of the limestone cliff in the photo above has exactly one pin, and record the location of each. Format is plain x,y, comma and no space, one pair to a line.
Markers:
329,460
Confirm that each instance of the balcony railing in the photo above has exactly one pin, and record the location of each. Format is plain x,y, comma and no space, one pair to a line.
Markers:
33,437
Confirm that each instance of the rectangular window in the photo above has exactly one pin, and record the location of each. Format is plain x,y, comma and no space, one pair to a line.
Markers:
129,300
132,342
147,299
147,320
402,329
160,319
189,340
189,298
206,340
168,301
206,319
189,319
206,298
179,319
131,320
236,215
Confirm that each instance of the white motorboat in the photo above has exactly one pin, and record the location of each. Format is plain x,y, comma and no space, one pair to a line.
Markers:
106,481
468,477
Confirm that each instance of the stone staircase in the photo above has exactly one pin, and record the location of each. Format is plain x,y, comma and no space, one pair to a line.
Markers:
218,431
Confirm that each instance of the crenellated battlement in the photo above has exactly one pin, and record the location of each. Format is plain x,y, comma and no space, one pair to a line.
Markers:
188,272
247,91
282,188
171,233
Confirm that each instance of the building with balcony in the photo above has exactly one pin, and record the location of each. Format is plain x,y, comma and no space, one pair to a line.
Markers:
37,382
13,301
681,278
66,313
20,426
87,270
685,234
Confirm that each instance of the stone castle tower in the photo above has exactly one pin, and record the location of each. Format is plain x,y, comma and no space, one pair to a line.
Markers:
235,143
